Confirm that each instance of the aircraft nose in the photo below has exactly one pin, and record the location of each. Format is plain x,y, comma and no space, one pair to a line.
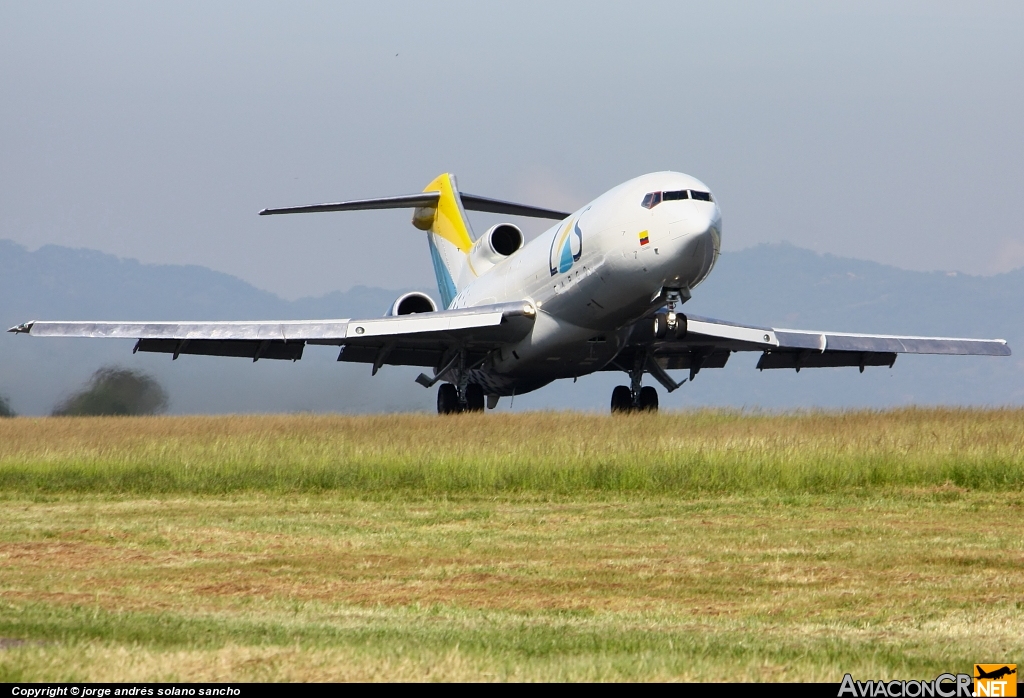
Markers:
706,223
709,216
698,219
715,227
705,242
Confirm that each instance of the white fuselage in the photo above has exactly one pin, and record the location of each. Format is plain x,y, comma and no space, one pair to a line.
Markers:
592,276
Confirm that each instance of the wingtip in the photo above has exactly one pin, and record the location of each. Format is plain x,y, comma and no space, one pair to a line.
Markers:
265,212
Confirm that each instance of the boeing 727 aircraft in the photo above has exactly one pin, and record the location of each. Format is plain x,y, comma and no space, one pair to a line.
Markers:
600,290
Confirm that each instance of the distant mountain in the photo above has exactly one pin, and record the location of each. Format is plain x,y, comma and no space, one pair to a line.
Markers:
785,286
779,285
62,283
85,283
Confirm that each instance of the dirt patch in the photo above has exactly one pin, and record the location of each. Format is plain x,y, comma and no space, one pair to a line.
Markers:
7,643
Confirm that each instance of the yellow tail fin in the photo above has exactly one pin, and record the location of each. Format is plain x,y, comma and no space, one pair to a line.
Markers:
449,235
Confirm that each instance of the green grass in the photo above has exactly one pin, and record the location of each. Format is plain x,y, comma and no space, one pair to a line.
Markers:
701,546
555,453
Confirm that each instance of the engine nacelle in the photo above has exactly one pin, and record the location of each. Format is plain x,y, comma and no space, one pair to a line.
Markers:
495,245
413,302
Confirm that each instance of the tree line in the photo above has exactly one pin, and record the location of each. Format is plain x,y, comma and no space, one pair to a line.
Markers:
109,391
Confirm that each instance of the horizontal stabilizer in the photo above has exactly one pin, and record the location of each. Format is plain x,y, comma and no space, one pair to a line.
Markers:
424,199
482,203
427,198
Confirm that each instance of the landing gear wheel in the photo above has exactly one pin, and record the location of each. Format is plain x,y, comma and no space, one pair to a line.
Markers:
660,325
447,399
649,399
622,400
474,398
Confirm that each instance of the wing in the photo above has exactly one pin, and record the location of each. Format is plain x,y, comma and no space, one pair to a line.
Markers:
422,339
707,343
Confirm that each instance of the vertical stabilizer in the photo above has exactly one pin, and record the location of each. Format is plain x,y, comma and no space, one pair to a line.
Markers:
449,236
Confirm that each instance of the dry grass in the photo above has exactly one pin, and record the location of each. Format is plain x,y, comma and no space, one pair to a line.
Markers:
554,579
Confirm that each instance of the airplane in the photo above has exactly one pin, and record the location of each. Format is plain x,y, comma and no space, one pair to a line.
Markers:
994,674
600,290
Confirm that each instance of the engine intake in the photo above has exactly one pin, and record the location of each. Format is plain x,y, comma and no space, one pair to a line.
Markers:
505,239
413,302
499,242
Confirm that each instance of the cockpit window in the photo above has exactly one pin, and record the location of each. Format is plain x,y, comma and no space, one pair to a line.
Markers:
656,197
652,199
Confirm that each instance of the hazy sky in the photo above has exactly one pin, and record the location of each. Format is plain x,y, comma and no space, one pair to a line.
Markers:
884,131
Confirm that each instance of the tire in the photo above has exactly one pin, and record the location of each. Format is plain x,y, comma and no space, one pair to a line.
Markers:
622,400
474,398
660,325
649,398
447,399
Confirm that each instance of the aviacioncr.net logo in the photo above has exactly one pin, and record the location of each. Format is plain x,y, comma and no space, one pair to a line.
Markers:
942,686
995,680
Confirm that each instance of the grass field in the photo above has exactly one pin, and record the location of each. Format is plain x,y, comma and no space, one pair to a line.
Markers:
704,545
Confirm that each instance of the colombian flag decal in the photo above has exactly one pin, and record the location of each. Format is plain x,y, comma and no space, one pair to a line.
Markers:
643,238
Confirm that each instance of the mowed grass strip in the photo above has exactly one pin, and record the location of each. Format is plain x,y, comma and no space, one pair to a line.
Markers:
327,586
703,545
560,453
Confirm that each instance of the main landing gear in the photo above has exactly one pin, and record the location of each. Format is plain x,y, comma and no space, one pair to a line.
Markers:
637,397
623,400
448,401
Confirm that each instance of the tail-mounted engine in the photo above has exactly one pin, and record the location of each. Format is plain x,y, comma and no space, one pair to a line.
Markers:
409,303
495,245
